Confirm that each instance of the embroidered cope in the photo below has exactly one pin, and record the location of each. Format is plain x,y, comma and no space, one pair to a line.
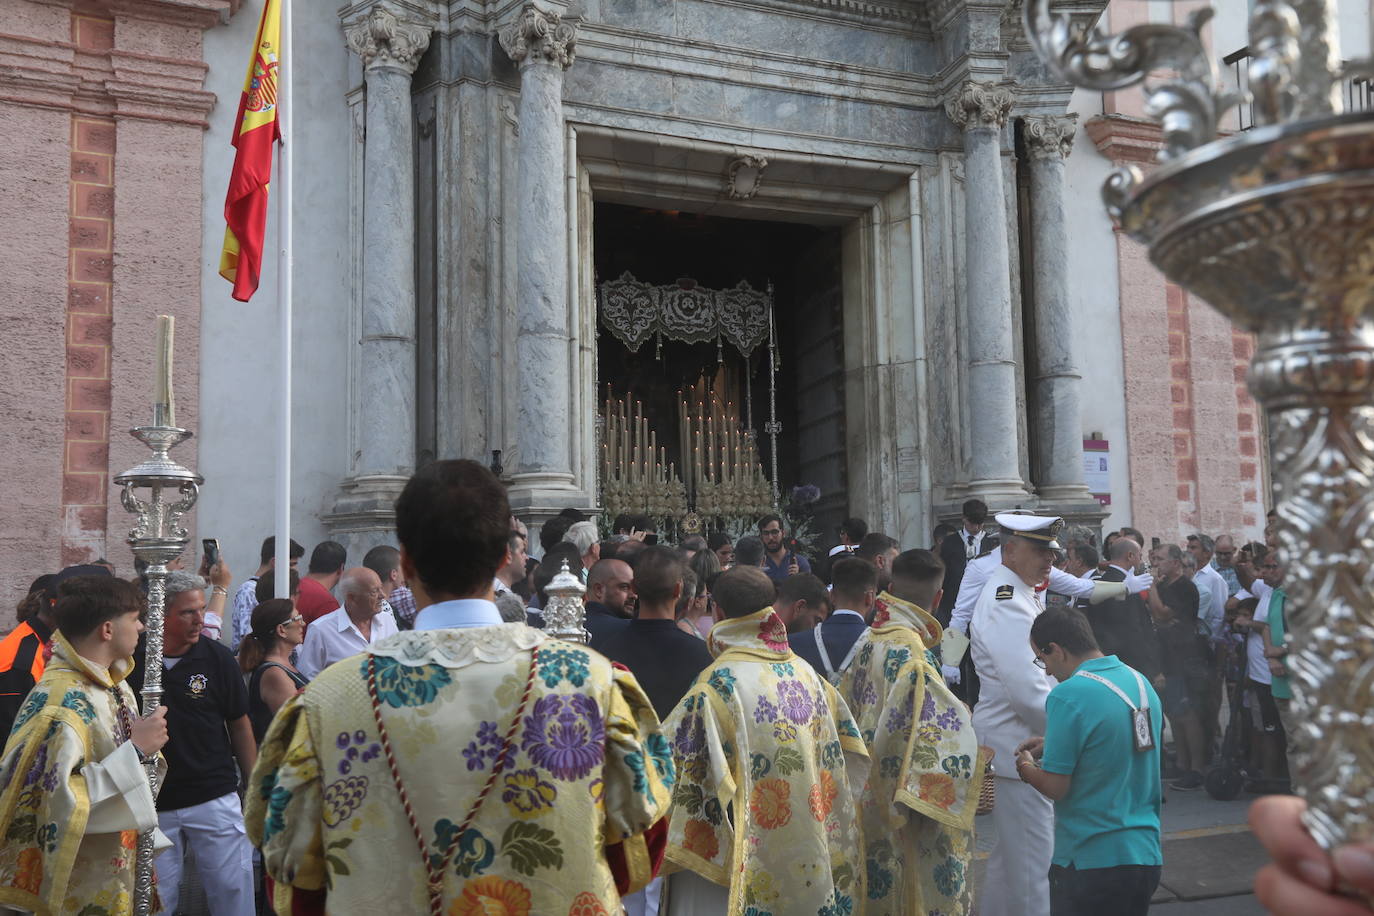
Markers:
74,796
922,791
770,764
588,770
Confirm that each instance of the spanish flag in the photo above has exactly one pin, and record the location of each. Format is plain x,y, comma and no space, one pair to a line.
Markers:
256,129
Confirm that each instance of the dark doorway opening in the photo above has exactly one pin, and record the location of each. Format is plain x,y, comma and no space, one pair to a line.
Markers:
802,263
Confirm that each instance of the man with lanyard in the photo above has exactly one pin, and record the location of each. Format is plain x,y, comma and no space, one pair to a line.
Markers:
1099,763
830,646
1011,708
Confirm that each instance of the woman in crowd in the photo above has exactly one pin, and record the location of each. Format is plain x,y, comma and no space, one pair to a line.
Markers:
265,656
695,617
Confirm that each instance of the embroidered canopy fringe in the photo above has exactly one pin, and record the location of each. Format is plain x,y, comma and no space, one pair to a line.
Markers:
634,312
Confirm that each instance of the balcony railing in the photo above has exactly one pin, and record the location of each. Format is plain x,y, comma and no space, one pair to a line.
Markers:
1358,91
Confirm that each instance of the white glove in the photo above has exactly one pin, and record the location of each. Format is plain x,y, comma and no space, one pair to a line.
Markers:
1138,583
951,674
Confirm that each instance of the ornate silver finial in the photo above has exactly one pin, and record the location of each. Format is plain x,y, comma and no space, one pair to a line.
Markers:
383,40
565,615
539,34
1271,226
1048,136
980,104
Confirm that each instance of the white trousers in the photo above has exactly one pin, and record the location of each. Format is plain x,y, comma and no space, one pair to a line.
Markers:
644,902
689,894
224,858
1018,882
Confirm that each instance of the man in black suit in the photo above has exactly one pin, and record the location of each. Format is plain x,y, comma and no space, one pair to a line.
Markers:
852,593
957,549
1122,625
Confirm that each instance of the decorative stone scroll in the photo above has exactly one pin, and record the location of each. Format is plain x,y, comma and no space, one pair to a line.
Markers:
634,312
382,40
540,35
977,105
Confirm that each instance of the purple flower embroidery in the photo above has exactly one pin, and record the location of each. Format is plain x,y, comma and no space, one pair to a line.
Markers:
765,711
691,735
565,735
949,719
928,708
486,745
794,701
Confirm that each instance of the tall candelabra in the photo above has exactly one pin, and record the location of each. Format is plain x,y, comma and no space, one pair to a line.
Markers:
158,493
1275,228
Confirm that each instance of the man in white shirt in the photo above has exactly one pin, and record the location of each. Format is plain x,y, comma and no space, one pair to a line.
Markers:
349,629
1206,578
1257,671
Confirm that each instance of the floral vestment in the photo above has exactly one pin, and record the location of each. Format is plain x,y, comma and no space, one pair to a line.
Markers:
588,770
922,791
770,764
48,861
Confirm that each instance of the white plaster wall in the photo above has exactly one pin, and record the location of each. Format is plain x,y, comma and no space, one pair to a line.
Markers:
239,341
1095,304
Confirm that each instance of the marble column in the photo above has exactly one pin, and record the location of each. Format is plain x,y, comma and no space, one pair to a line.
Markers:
543,46
1057,418
384,413
981,110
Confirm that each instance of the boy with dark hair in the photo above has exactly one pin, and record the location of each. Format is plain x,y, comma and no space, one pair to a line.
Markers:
830,646
326,568
802,602
771,765
664,659
75,794
921,796
357,780
1099,763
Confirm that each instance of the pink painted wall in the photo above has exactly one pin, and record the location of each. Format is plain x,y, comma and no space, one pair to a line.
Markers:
112,93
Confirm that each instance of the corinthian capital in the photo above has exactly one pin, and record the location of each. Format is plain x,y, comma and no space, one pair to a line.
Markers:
538,34
382,40
1048,136
974,105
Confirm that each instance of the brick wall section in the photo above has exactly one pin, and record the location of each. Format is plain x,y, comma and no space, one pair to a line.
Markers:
90,262
1181,391
104,108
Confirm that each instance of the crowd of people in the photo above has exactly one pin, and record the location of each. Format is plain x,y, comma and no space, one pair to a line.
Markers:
749,730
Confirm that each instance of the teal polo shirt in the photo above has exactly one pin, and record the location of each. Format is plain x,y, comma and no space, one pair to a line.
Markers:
1111,814
1278,629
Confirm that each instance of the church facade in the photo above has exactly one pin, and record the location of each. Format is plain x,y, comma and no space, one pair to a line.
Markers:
952,314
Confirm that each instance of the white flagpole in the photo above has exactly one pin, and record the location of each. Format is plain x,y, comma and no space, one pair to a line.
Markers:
285,115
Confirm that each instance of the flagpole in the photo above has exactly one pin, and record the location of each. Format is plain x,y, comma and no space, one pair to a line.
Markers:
285,119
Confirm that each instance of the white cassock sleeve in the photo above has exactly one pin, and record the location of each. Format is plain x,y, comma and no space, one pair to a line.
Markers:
120,796
970,587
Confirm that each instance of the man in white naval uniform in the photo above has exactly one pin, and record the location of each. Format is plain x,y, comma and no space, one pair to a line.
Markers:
1011,708
977,571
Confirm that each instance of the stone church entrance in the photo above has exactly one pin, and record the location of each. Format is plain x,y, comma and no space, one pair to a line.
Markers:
777,391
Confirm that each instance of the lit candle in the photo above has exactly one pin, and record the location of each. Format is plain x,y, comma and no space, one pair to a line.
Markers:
164,406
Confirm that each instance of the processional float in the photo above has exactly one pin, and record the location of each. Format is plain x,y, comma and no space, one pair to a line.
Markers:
157,538
1275,228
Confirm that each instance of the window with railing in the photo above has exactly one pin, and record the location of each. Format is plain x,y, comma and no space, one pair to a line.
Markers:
1357,91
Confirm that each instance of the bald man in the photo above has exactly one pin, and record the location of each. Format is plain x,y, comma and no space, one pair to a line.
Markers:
350,629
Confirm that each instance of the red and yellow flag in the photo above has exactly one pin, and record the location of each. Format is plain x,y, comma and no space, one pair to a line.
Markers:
256,129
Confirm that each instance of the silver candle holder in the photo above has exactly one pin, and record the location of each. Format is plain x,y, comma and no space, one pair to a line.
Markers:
1275,228
158,493
565,617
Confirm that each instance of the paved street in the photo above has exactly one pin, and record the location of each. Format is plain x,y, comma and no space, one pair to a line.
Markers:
1210,857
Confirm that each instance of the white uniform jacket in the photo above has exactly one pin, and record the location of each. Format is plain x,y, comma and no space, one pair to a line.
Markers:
1011,702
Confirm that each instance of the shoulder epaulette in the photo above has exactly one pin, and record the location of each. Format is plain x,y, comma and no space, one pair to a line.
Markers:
1004,592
